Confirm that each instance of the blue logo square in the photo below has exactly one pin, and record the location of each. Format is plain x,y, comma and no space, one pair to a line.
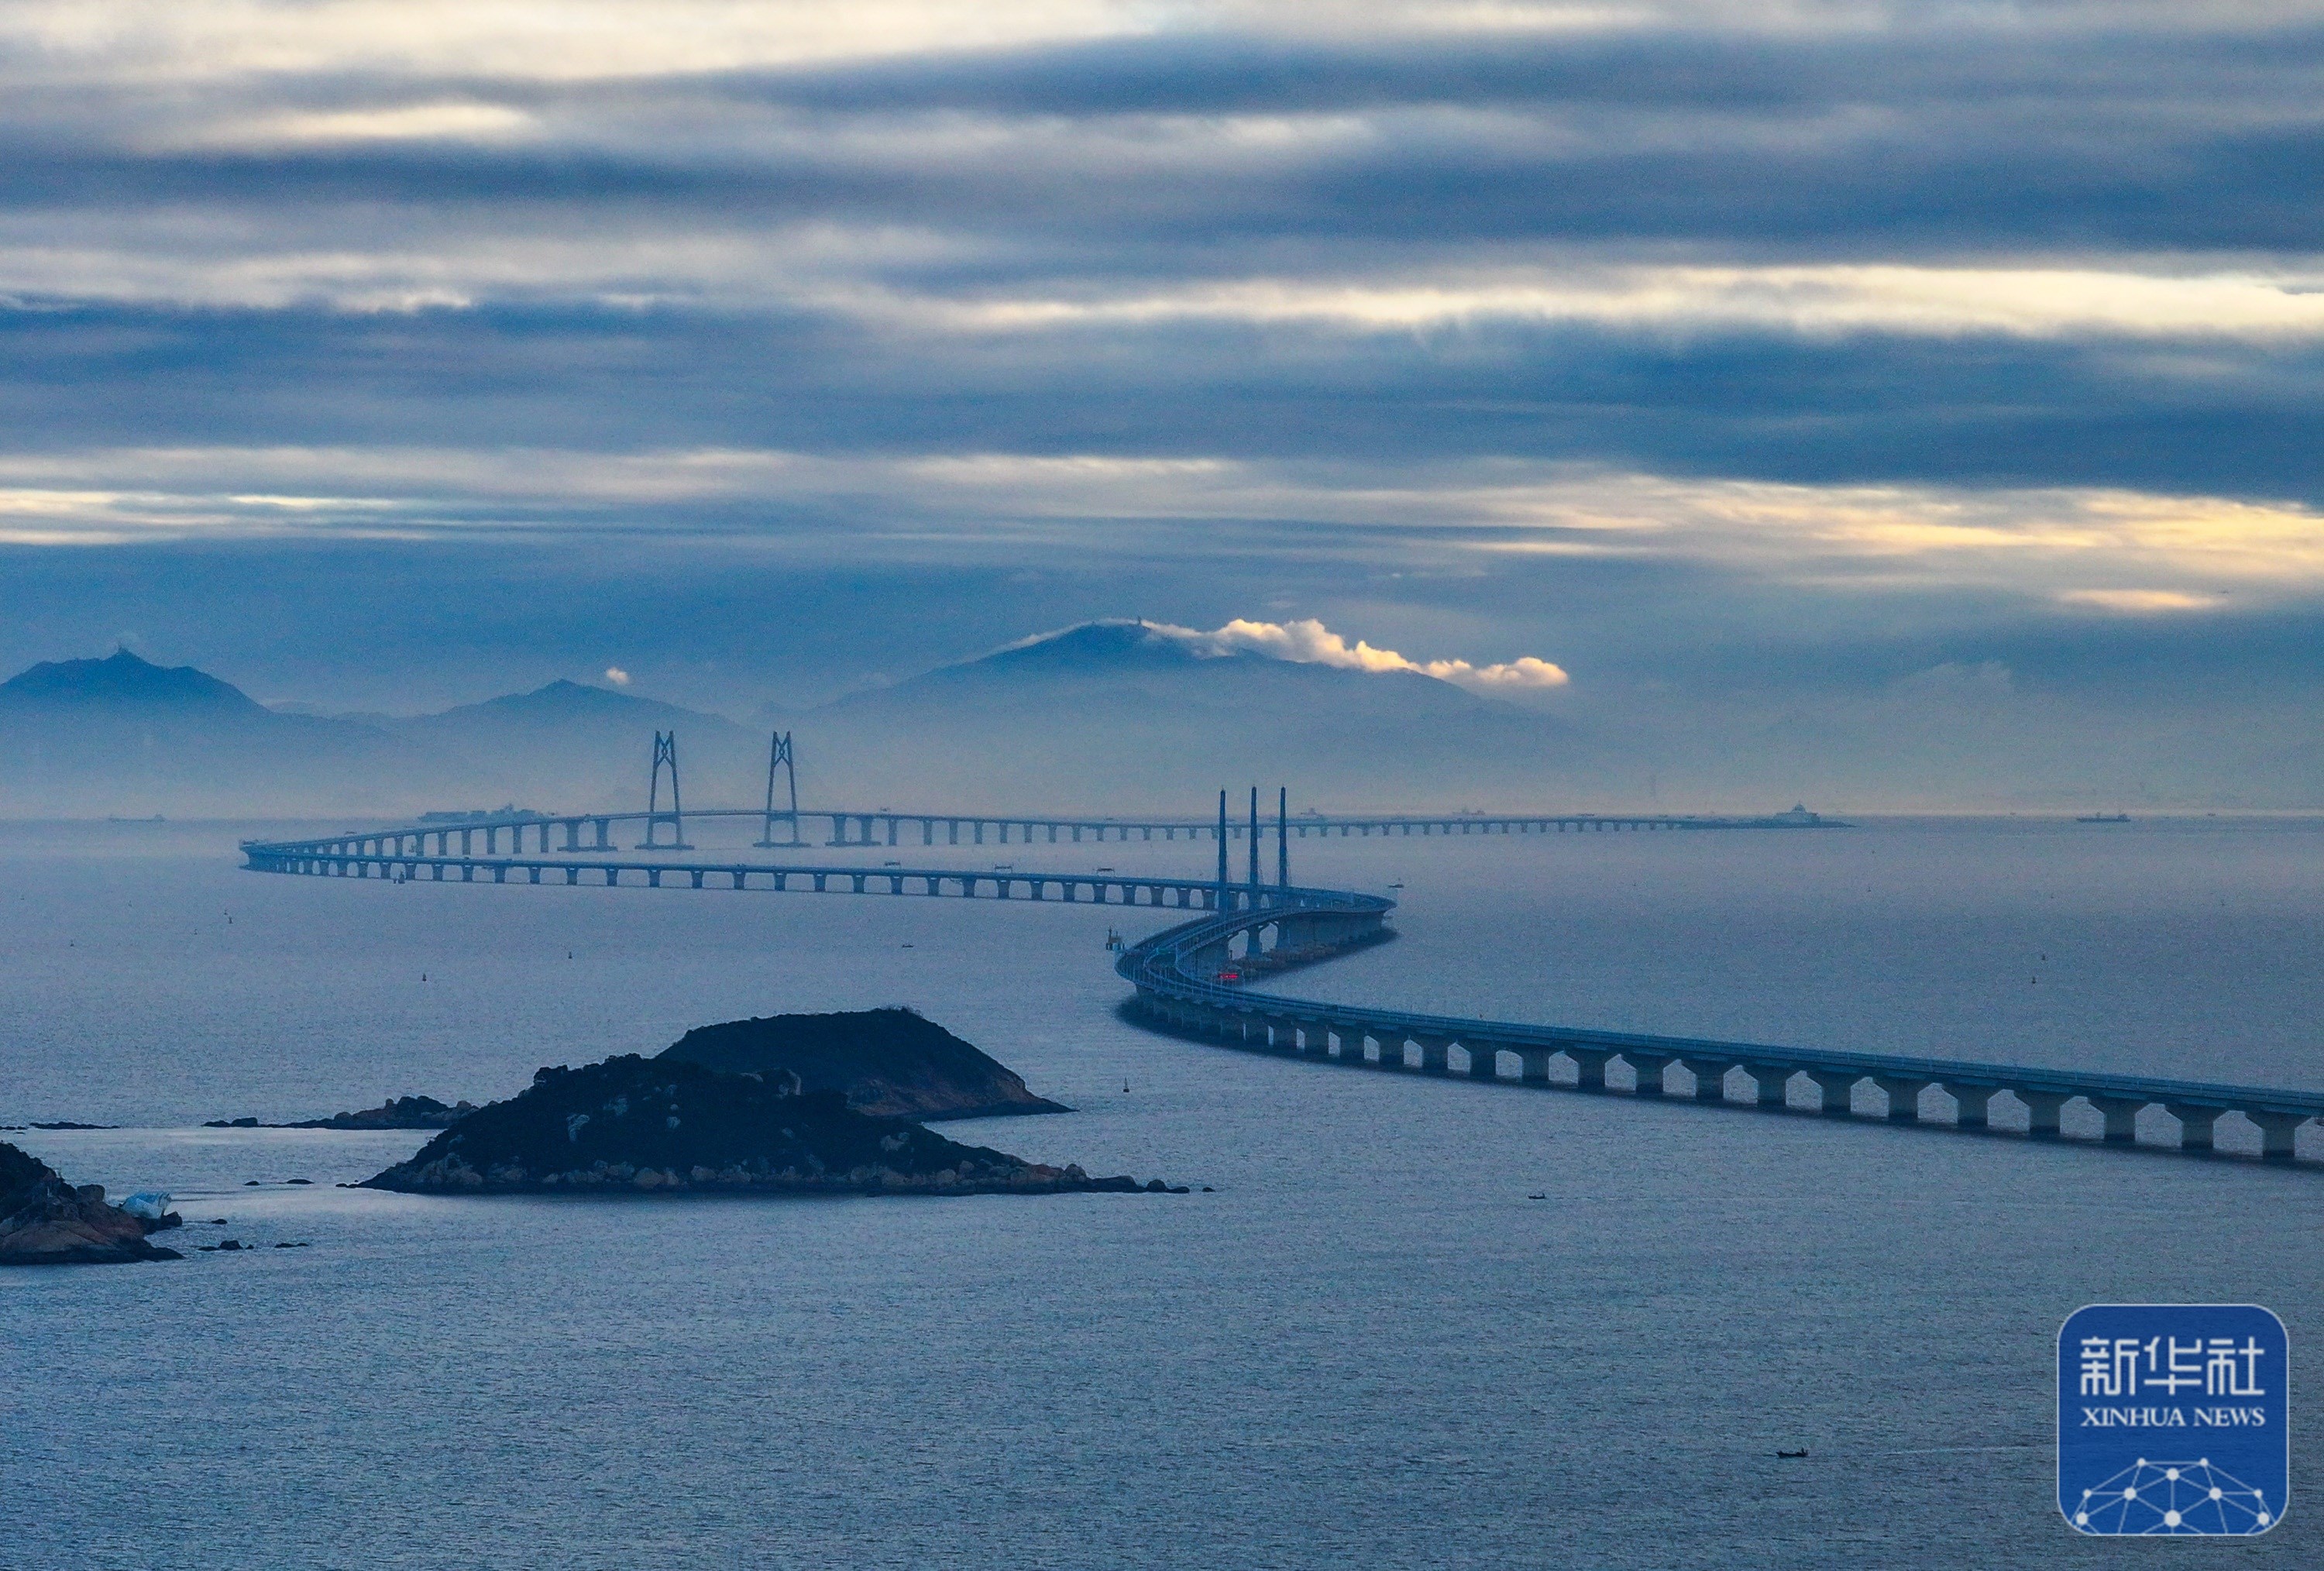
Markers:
2174,1419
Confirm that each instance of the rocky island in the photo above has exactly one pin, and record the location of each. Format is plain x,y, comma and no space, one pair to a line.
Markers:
45,1221
890,1063
634,1124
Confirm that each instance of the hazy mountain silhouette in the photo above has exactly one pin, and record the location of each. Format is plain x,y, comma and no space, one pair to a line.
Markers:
1126,714
84,737
569,744
1106,717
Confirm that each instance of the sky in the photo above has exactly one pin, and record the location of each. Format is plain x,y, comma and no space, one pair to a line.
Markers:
1803,374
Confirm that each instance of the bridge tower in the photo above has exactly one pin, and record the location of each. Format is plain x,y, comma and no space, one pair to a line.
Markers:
1222,850
1254,836
779,753
664,752
1283,837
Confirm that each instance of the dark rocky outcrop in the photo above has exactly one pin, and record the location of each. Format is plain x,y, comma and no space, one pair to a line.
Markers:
45,1221
631,1125
891,1063
395,1113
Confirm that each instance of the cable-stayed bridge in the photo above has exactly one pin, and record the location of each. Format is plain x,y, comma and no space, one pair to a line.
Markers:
1195,977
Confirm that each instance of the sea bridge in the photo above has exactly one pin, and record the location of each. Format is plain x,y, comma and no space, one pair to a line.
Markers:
1194,978
580,834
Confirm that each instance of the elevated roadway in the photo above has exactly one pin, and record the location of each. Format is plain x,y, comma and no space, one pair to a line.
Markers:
1196,977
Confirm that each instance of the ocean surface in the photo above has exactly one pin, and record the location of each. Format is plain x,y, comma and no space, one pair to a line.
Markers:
1367,1347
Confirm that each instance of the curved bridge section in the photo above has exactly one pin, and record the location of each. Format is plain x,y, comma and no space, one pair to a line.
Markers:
1190,979
1194,978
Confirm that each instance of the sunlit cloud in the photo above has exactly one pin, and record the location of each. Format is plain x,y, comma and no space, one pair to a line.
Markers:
2138,602
1809,301
1308,641
449,122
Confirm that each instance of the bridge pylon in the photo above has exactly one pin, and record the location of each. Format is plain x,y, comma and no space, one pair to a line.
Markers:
779,755
1222,850
664,752
1283,837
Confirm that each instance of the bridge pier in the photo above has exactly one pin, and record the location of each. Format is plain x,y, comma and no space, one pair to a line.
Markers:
2121,1115
1649,1068
1533,1065
2196,1131
1836,1091
1903,1094
2042,1108
1590,1065
2278,1133
1392,1055
1710,1077
1435,1055
1484,1060
1972,1105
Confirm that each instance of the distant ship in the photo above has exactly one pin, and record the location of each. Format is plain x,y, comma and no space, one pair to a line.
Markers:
2103,819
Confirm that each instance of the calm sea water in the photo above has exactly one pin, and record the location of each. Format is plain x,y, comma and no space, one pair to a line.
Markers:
1367,1347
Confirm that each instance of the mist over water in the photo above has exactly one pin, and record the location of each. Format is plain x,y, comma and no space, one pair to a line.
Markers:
1367,1347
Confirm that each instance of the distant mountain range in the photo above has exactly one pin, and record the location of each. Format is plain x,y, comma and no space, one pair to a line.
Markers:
121,736
1108,716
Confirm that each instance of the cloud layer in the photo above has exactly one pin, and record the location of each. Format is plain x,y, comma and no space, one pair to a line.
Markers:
1702,345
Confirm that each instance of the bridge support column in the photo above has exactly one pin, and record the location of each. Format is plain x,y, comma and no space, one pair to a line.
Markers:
2121,1115
1391,1050
1904,1094
1710,1077
1770,1083
1591,1065
1649,1067
1533,1065
1484,1060
1971,1105
2196,1130
2041,1109
2278,1133
1837,1090
1433,1056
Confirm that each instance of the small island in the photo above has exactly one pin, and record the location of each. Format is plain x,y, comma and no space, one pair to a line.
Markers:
45,1221
668,1125
395,1113
890,1063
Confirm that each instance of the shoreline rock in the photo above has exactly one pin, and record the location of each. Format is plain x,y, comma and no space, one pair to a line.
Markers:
634,1125
395,1113
45,1221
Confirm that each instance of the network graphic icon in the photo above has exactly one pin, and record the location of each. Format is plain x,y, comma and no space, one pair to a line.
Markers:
2174,1498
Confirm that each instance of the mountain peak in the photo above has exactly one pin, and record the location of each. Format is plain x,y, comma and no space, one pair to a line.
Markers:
123,678
1105,644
